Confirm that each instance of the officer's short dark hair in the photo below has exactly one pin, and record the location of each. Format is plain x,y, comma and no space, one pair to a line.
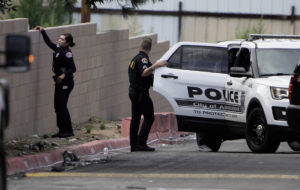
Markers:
146,43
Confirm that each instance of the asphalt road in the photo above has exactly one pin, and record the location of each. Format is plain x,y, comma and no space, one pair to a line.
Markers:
178,166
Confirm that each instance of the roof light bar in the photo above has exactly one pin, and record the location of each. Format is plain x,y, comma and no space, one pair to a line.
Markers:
270,36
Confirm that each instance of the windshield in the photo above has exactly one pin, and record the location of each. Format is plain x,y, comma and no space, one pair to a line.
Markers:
277,61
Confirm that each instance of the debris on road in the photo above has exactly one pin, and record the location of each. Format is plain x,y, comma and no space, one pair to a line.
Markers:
69,156
16,147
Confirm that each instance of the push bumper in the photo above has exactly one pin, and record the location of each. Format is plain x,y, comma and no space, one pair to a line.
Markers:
293,118
283,133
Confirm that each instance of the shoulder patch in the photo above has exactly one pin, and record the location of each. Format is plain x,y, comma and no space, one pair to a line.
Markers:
145,60
69,55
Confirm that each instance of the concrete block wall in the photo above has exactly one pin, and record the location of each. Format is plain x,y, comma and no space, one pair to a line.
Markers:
101,80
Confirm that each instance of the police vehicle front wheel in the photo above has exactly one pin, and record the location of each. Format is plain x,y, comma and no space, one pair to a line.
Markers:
295,146
258,134
212,141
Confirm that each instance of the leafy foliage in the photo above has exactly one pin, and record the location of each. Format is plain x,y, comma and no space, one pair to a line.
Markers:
69,7
89,128
259,28
102,126
135,3
126,10
40,12
135,28
6,5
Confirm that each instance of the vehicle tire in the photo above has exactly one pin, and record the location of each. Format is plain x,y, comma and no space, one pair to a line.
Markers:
213,142
2,166
295,145
258,134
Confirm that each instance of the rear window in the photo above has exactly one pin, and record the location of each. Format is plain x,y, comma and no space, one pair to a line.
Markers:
200,58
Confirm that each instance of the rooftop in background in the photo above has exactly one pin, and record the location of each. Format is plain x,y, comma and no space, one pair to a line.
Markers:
263,7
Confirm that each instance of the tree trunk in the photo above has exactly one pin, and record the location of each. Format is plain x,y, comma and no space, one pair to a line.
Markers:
85,12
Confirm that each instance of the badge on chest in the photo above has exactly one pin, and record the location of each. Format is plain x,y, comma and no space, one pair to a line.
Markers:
57,55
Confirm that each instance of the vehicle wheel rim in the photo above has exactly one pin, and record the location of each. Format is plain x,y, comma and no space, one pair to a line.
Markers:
258,131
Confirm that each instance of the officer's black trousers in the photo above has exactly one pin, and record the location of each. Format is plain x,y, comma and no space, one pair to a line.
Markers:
138,108
61,97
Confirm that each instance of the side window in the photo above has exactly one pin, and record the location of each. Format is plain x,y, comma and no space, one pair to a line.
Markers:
174,61
200,58
209,59
243,59
232,55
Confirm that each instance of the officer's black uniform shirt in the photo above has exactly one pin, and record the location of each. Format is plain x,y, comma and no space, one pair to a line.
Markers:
139,63
63,61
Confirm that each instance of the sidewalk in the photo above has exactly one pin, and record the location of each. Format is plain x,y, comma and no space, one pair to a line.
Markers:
164,126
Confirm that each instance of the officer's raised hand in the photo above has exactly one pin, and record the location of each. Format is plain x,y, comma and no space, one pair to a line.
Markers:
39,28
159,63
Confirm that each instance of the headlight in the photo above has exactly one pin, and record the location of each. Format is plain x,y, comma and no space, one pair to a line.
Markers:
279,93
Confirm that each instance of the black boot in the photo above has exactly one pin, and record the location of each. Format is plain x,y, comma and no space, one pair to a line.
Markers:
144,148
132,149
56,135
66,134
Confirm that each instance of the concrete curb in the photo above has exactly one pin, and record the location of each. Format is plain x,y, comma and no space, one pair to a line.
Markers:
165,126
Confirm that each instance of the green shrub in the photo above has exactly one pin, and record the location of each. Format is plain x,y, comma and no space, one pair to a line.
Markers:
89,128
102,127
44,13
100,120
243,33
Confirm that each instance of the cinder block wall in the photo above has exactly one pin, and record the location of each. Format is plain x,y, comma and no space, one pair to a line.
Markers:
101,80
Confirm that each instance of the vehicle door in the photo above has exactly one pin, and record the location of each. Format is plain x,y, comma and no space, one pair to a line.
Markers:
239,89
194,80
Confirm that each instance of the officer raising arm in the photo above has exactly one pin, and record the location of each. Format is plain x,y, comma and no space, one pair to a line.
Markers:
141,78
63,67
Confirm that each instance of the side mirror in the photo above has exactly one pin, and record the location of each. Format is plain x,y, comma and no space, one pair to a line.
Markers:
18,56
239,72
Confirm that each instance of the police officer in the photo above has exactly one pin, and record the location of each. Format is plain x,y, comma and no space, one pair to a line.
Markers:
141,78
63,68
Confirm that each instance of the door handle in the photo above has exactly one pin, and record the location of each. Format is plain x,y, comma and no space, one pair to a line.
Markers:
169,76
229,83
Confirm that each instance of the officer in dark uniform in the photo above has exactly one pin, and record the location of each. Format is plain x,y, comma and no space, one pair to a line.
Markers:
141,78
63,68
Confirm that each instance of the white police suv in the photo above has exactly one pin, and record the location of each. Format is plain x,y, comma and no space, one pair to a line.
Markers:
232,90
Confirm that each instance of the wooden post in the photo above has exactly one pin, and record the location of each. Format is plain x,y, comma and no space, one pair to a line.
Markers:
179,20
85,12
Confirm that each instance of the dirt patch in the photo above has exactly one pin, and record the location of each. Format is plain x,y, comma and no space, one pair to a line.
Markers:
100,130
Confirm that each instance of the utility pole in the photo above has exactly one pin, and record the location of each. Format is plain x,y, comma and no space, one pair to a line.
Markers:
85,12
